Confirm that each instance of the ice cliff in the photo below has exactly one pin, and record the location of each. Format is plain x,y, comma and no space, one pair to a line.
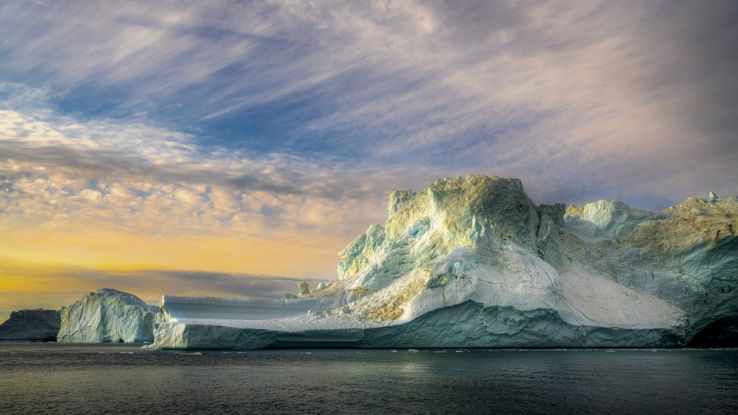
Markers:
474,262
31,325
107,316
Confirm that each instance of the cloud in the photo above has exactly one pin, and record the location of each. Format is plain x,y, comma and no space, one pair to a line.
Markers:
186,283
62,168
54,286
581,100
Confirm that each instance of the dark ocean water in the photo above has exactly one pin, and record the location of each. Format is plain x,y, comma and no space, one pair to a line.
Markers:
61,379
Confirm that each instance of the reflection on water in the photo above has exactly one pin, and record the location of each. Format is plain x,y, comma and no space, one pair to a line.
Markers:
50,378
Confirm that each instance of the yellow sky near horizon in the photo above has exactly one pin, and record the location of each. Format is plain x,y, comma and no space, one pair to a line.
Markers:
38,267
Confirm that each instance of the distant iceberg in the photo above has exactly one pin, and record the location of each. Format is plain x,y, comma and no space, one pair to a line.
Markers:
37,325
108,316
473,262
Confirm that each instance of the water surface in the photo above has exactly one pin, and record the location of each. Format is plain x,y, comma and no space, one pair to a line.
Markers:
55,378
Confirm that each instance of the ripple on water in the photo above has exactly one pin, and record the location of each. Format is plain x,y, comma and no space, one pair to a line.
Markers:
92,380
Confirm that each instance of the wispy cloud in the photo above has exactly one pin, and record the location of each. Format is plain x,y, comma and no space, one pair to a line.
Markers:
580,99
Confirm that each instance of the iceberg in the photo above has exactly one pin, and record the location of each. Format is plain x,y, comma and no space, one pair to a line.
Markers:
108,316
36,325
474,262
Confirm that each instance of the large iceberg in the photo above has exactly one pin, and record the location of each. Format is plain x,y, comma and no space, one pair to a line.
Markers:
37,325
108,316
473,262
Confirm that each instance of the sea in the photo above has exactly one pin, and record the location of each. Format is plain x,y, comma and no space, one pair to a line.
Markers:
50,378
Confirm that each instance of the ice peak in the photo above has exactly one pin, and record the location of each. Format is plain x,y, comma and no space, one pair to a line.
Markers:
429,224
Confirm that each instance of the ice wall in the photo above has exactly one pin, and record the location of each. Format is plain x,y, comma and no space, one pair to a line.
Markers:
107,316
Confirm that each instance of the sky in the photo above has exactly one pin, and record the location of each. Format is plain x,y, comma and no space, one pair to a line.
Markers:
233,148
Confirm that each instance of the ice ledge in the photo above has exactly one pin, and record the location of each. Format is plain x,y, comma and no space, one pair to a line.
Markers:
469,324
